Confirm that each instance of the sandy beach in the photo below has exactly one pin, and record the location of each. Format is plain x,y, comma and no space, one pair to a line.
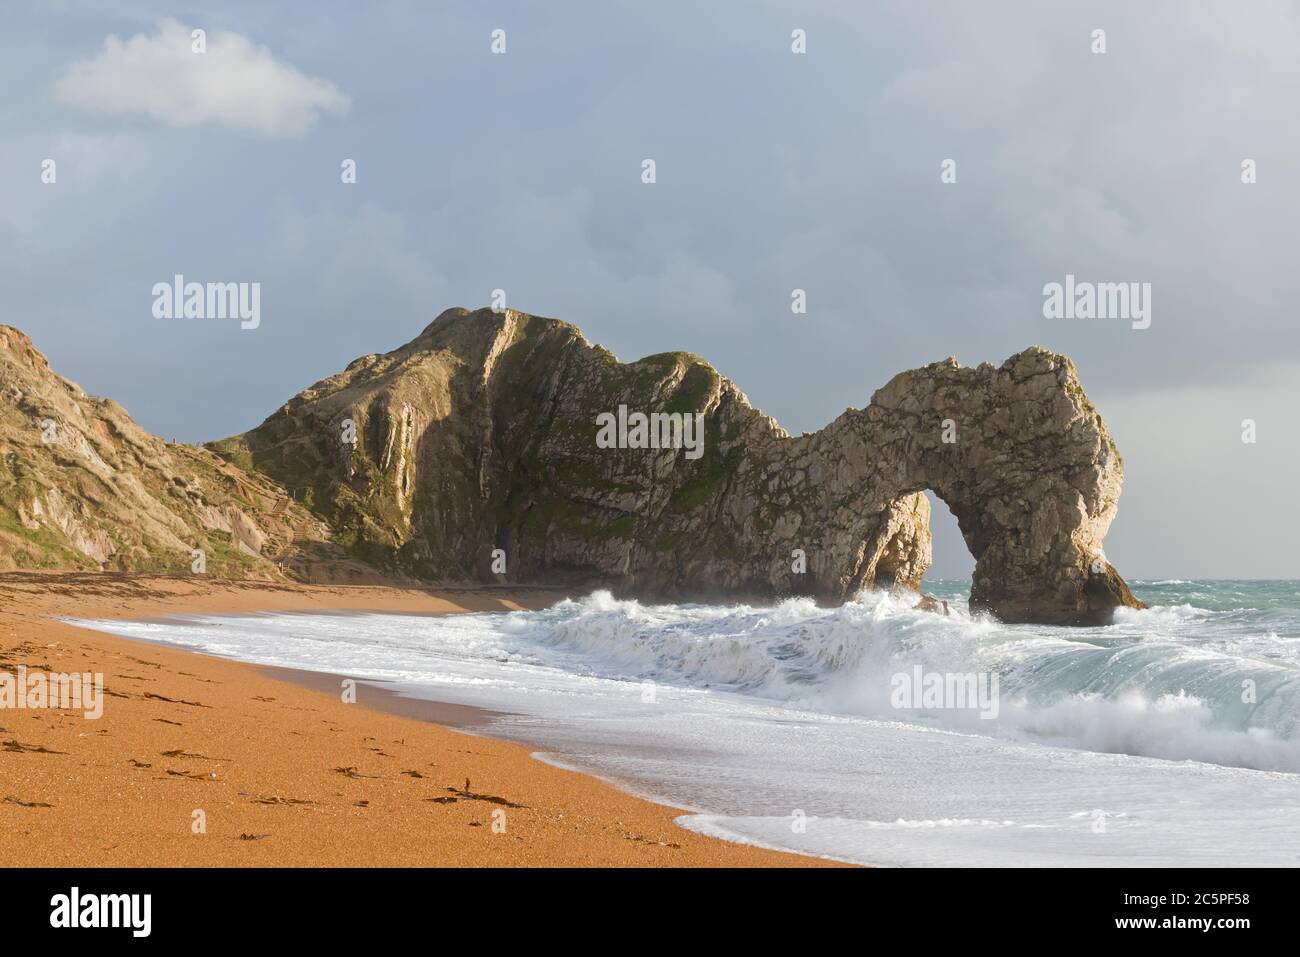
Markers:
279,772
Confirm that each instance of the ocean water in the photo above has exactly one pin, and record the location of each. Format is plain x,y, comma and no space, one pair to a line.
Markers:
1171,737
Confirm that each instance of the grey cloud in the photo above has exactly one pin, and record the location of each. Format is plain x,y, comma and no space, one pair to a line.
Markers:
775,171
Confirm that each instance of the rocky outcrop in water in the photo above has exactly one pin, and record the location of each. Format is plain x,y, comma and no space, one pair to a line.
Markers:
506,447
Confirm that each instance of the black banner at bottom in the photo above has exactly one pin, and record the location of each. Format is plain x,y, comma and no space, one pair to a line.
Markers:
930,906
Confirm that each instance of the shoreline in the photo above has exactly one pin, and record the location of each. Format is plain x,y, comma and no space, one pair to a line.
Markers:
205,761
465,718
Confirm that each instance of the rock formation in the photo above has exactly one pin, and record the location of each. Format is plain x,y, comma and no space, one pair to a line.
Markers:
480,442
82,486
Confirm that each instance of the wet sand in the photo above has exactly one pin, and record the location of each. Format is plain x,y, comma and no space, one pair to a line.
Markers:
200,761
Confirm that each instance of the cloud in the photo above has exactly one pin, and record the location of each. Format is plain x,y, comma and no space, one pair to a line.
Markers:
235,83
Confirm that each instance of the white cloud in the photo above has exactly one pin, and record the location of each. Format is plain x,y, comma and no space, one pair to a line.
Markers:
235,83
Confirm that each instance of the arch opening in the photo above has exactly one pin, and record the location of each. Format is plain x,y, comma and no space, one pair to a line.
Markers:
951,562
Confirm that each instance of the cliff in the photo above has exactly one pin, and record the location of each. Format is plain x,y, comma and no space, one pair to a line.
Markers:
82,486
507,447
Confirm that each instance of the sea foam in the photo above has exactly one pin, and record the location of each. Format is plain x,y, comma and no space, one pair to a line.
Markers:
1112,746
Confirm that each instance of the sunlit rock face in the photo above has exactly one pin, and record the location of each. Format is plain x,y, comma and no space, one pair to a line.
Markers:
83,487
506,447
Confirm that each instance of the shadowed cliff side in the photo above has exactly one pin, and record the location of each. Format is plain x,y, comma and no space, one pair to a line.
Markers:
477,443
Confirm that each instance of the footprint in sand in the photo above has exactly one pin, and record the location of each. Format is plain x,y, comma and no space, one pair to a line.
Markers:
181,753
351,772
159,697
17,746
467,795
21,803
639,839
192,774
276,799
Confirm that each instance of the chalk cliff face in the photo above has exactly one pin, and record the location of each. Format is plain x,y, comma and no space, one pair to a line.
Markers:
82,486
482,445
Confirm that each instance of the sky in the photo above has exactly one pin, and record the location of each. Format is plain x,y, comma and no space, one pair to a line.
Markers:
775,170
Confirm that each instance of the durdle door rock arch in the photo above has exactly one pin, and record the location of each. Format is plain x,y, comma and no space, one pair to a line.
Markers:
1019,455
477,443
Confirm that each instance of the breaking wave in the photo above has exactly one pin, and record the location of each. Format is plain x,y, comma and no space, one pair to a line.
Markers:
1159,683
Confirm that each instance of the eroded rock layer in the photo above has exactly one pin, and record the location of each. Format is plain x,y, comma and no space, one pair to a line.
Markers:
479,443
82,486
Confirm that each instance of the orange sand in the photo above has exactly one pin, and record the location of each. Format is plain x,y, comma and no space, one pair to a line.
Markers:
284,775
